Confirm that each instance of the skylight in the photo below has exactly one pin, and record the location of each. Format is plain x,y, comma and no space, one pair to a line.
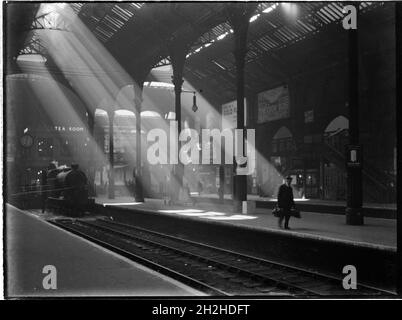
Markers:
156,84
224,31
270,8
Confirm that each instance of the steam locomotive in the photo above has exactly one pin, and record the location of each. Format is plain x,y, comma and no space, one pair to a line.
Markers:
68,191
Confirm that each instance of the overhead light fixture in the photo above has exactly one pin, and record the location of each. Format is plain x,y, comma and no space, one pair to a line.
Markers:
194,107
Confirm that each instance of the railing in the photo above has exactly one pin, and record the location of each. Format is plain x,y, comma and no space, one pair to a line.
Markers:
334,146
379,185
337,139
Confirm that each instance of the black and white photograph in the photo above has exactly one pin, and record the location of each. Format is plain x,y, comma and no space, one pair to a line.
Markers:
202,151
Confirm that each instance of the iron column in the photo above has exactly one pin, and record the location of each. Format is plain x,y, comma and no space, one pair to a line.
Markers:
354,214
111,156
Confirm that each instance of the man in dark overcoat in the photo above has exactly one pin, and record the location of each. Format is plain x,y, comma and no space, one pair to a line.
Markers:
285,202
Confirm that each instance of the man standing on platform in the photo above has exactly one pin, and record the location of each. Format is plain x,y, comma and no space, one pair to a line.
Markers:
285,202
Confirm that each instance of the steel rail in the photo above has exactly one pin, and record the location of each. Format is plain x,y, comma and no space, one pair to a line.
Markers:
279,283
246,257
155,266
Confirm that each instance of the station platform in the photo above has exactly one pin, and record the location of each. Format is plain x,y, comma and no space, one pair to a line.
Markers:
255,197
82,268
373,210
376,232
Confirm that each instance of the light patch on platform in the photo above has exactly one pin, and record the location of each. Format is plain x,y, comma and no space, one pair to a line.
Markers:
295,199
234,217
202,214
182,211
216,213
121,204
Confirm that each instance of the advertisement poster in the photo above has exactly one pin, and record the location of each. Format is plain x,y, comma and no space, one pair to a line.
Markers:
229,114
273,104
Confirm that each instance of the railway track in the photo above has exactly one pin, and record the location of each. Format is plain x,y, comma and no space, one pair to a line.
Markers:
212,270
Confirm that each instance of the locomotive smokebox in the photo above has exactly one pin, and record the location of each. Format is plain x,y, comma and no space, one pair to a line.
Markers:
74,186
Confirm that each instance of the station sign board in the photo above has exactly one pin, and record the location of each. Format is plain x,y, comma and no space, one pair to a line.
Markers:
353,156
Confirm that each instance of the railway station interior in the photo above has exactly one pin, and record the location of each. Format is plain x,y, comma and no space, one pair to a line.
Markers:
124,93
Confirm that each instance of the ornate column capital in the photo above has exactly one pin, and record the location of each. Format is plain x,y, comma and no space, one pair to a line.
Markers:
178,81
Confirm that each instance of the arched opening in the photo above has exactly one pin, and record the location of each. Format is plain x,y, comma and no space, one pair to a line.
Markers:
337,124
124,151
336,133
101,127
150,114
283,141
332,166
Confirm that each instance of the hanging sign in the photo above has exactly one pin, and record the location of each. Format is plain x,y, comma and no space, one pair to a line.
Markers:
229,115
